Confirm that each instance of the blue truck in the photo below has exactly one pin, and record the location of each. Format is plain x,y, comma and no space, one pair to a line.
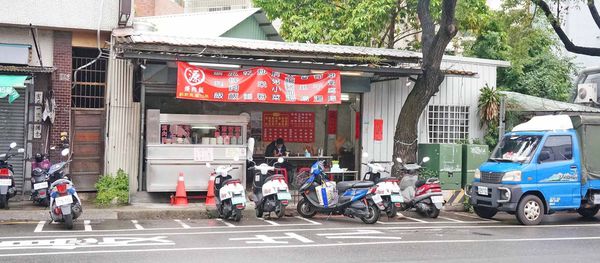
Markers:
548,164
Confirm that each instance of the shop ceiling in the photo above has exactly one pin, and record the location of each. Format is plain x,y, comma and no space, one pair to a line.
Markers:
382,63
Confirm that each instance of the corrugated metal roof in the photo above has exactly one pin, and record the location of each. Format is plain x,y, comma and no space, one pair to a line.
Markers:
208,24
129,36
527,103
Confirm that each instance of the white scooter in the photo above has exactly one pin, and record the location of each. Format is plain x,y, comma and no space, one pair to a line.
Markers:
271,192
387,188
231,197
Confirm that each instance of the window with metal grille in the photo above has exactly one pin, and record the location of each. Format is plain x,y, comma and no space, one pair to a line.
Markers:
448,124
89,84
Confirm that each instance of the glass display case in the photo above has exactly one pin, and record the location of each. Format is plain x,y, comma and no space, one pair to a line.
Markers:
184,143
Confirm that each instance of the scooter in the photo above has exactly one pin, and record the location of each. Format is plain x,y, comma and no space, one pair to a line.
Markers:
271,192
231,197
65,204
7,182
386,188
424,196
321,196
39,179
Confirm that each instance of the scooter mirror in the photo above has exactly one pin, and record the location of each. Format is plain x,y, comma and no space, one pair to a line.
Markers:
13,145
208,165
399,160
21,150
426,159
280,160
65,152
365,155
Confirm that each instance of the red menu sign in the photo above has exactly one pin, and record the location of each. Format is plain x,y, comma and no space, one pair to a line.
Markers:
290,126
331,122
378,130
261,84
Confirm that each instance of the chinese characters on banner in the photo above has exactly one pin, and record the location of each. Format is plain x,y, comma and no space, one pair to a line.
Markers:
261,84
290,126
378,130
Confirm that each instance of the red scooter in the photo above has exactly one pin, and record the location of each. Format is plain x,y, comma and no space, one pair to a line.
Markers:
424,196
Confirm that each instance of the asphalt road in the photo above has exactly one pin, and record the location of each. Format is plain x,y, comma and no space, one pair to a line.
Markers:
454,237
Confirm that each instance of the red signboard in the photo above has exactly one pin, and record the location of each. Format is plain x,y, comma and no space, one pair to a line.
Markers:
378,130
332,122
290,126
357,126
261,84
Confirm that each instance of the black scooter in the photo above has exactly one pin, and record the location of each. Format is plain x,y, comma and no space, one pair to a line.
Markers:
7,181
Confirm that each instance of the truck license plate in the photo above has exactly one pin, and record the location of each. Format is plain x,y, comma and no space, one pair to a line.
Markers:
238,200
42,185
397,199
284,196
64,200
482,190
437,199
5,182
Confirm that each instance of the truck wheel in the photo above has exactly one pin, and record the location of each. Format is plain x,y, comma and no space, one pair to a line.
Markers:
485,212
588,212
530,210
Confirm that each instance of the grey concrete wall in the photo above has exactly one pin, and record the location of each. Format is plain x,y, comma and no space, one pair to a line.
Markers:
13,35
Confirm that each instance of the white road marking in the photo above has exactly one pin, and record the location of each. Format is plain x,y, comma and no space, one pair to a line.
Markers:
39,227
264,239
472,216
184,225
87,226
74,243
413,219
377,243
308,220
225,222
270,222
451,219
137,225
437,222
358,232
364,237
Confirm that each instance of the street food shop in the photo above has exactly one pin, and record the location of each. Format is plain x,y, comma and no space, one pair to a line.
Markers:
200,100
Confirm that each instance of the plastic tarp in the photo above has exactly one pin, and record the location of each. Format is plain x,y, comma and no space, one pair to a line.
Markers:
7,84
588,130
514,101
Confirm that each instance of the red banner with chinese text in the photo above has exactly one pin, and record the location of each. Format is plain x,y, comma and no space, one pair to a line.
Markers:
378,130
261,84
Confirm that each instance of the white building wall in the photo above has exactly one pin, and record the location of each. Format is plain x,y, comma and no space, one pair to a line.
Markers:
67,14
13,35
386,99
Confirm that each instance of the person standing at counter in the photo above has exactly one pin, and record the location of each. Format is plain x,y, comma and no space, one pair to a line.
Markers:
277,149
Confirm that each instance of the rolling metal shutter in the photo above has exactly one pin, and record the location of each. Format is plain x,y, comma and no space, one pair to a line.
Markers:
12,129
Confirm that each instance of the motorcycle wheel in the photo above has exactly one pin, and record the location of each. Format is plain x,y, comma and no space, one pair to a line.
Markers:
305,208
237,215
373,216
432,212
392,211
45,202
259,211
280,210
4,201
68,221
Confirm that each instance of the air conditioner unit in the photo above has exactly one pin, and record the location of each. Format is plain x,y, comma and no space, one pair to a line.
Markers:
587,92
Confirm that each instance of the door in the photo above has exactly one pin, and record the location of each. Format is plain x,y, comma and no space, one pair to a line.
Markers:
88,148
12,129
558,173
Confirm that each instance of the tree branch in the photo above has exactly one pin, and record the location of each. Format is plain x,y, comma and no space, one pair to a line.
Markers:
407,35
594,12
562,35
446,32
427,25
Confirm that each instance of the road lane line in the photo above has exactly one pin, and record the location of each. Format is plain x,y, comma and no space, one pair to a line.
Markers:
225,222
376,243
137,225
411,218
308,220
40,226
472,216
451,219
86,224
357,232
184,225
269,221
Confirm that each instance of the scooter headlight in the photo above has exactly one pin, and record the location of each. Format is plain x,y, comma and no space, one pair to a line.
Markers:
514,176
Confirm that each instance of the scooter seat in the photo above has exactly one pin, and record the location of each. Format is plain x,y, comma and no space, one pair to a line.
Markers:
343,186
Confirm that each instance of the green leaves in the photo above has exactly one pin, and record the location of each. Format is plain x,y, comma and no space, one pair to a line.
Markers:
113,190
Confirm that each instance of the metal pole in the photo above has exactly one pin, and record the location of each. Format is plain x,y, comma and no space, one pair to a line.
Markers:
142,135
501,119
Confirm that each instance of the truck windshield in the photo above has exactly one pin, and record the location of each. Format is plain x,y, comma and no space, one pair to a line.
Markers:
516,148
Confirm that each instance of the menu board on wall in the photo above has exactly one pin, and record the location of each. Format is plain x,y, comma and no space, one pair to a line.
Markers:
291,126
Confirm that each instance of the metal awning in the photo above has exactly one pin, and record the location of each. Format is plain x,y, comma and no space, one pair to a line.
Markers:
8,84
526,103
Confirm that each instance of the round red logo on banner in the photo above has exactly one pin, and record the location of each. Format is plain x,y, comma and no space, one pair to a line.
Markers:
194,76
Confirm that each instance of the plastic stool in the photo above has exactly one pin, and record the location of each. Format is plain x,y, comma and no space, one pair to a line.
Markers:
282,171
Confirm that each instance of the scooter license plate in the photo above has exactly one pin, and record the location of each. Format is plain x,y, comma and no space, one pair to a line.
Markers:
5,182
284,196
482,190
436,199
397,199
377,199
64,200
42,185
238,200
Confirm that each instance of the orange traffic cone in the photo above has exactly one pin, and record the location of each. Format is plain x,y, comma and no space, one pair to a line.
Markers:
210,196
180,197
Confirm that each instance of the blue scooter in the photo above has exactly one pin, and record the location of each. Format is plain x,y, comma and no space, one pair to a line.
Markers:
350,198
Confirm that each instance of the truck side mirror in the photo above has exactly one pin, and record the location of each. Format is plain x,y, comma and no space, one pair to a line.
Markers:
544,156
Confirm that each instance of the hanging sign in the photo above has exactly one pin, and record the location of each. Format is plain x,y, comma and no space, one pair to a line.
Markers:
357,127
332,122
261,84
378,130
